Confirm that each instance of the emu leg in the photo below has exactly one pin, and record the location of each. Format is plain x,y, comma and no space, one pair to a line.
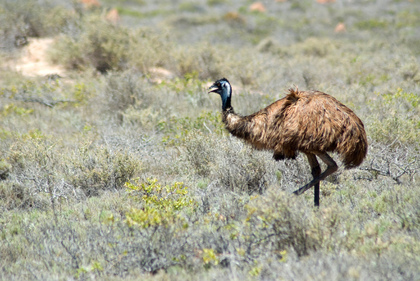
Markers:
332,167
315,171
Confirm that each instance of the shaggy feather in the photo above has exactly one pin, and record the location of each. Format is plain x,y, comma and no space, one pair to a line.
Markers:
307,121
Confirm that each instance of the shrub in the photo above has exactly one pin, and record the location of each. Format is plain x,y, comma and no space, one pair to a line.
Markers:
98,44
204,59
125,89
36,171
241,169
105,46
150,49
234,165
4,169
280,223
396,161
177,131
89,134
95,169
372,24
22,19
19,196
160,205
394,127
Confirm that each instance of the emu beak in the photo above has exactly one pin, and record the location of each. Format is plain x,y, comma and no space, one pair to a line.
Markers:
213,91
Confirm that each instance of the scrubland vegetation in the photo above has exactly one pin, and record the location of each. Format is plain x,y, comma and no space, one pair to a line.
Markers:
121,168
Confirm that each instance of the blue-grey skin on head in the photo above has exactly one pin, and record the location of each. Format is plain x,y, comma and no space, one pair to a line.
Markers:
223,88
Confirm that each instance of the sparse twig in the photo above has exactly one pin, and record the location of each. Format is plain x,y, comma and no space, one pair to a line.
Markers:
50,103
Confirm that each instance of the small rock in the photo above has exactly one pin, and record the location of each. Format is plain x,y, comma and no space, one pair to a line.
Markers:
113,16
90,3
325,1
258,7
340,28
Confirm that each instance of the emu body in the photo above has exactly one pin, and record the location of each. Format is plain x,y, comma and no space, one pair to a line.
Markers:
308,121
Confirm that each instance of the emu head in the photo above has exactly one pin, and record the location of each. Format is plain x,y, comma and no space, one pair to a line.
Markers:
223,88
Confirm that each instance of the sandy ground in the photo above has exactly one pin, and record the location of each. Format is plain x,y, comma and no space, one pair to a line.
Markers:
34,62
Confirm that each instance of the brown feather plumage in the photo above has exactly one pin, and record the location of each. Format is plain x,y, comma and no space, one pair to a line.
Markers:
308,121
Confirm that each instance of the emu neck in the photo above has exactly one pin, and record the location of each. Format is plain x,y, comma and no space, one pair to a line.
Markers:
226,103
226,99
228,112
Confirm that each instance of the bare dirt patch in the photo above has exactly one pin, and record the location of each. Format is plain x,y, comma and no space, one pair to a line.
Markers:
34,60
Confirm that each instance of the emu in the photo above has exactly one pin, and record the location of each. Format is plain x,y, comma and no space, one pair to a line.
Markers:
308,121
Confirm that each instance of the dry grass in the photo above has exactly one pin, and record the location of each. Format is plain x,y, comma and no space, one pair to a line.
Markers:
133,107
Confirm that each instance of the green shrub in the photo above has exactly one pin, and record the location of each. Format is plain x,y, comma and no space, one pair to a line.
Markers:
232,164
278,220
149,49
402,205
22,19
200,156
11,108
95,169
20,196
68,146
400,123
125,89
409,100
4,169
35,178
204,59
240,169
177,130
372,24
216,2
391,128
34,95
98,44
160,205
